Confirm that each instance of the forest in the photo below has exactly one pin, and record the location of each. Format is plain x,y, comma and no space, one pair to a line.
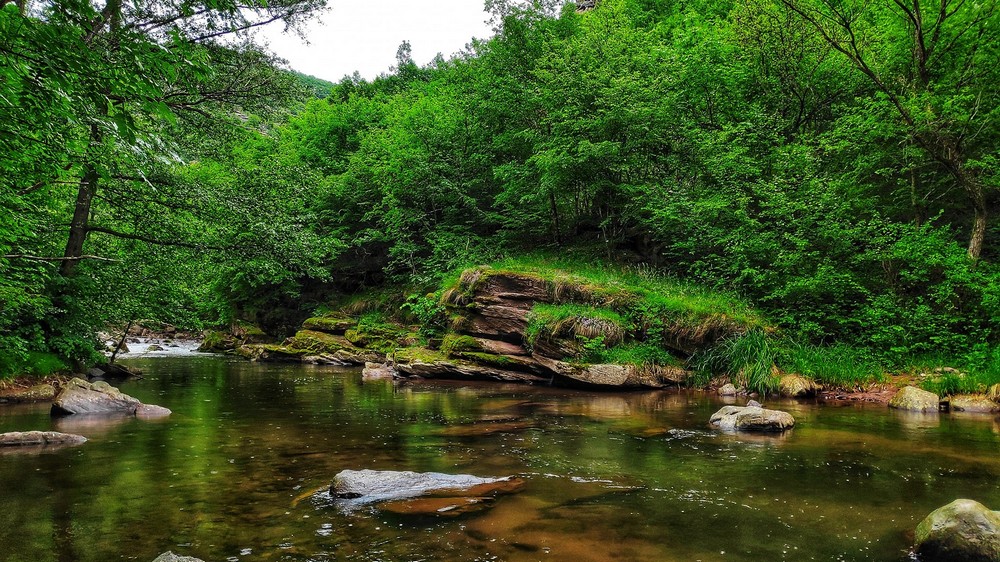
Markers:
832,163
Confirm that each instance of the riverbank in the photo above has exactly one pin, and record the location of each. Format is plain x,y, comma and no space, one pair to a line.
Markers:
551,322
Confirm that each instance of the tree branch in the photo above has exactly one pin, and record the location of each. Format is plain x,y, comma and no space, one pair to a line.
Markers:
149,240
43,258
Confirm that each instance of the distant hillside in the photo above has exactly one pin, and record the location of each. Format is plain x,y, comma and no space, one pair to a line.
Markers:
319,87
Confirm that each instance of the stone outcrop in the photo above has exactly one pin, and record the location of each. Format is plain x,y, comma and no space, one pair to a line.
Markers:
728,389
913,399
420,493
751,418
797,386
39,439
962,531
37,393
81,397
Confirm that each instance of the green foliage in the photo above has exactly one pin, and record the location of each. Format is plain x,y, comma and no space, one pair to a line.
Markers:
729,145
428,311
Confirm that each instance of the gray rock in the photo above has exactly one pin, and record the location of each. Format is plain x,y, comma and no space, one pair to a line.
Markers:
149,411
750,418
81,397
913,399
962,531
368,486
754,404
171,557
39,438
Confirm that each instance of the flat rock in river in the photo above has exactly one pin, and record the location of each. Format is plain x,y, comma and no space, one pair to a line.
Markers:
39,438
751,418
369,486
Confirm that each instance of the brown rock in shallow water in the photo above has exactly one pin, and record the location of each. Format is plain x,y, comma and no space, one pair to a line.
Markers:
798,386
171,557
913,399
39,438
975,404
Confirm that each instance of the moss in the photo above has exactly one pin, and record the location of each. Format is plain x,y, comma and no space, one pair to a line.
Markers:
333,324
316,342
454,343
418,353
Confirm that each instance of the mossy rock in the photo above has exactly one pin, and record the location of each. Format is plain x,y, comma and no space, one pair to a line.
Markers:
417,353
336,325
455,343
317,342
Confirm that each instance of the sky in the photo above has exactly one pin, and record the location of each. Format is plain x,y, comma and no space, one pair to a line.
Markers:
364,35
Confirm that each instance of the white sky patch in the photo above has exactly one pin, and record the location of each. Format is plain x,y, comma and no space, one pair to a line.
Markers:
364,35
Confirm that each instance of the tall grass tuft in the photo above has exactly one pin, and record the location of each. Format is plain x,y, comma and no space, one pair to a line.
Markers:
748,360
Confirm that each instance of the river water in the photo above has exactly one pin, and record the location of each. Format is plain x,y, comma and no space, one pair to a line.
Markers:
233,474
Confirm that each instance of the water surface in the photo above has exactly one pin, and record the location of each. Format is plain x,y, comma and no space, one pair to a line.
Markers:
233,474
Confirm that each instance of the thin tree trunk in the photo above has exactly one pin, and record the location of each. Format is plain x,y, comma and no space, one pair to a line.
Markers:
120,343
81,218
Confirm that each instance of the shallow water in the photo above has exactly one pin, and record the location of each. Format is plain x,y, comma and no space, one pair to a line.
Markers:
233,474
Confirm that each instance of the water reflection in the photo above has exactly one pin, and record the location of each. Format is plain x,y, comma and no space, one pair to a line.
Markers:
233,474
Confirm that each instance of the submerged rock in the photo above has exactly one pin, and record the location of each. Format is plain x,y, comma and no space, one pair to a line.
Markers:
370,486
751,418
39,438
962,531
798,386
81,397
171,557
913,399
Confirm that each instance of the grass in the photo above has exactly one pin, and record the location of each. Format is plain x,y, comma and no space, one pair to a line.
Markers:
973,374
576,321
840,366
748,360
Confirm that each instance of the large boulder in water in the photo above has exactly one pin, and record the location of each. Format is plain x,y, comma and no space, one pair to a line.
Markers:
962,531
751,418
460,490
81,397
913,399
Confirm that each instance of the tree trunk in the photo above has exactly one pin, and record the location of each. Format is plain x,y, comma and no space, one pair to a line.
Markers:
978,226
81,218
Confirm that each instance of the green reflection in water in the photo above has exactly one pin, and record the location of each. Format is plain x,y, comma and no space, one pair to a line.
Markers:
633,476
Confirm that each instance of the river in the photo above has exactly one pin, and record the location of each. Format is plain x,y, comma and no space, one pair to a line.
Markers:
236,473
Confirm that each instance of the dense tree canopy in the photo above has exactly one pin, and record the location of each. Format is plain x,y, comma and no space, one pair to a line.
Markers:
833,161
